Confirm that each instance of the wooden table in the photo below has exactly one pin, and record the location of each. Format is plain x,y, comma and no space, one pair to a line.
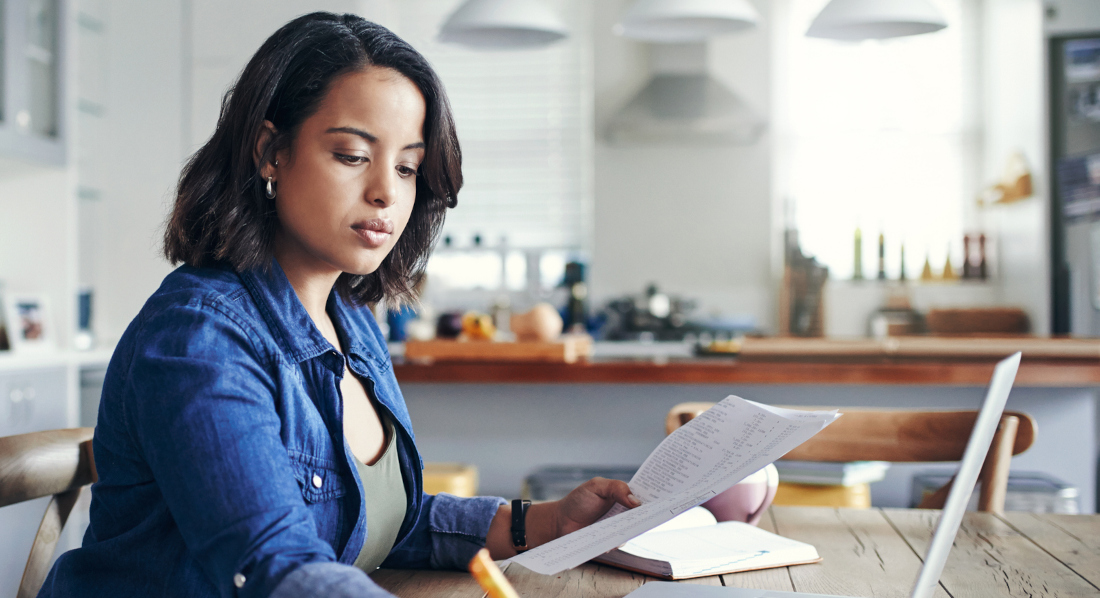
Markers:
872,552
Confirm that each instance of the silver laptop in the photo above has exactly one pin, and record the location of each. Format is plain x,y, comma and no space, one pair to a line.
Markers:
980,438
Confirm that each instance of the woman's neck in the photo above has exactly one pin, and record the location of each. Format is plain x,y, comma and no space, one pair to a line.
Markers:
312,285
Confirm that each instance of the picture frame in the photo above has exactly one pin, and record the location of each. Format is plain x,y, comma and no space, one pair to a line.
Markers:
27,322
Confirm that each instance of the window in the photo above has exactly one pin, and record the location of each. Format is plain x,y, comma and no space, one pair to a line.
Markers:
880,135
524,121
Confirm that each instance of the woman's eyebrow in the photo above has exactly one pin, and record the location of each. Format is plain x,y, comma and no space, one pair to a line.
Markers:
369,137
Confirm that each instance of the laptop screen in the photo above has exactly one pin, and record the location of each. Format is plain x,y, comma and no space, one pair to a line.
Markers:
984,428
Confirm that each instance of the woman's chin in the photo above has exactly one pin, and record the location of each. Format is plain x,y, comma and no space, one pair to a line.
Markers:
362,268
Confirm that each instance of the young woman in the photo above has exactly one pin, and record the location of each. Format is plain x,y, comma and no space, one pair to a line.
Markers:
252,439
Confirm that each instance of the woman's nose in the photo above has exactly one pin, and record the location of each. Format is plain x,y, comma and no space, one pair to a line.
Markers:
382,189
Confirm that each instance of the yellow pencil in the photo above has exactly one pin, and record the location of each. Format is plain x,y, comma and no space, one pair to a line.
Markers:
490,577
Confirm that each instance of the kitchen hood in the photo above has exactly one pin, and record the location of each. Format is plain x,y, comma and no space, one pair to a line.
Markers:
682,103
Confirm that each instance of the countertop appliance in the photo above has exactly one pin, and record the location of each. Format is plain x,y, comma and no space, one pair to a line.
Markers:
653,316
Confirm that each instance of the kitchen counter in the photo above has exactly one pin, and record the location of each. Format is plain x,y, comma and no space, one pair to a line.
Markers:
914,360
511,418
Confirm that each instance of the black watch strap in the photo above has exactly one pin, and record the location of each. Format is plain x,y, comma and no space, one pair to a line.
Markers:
519,523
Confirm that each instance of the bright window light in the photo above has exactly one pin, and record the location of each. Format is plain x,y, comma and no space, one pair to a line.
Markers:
465,269
880,135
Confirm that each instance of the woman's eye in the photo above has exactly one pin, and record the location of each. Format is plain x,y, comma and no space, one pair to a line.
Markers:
351,159
406,171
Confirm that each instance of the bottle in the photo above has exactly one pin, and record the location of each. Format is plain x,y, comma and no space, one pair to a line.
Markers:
881,256
968,268
857,270
901,275
949,270
576,308
926,274
983,269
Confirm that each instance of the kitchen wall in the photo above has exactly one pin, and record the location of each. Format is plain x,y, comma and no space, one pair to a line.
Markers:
38,235
1015,120
695,219
145,150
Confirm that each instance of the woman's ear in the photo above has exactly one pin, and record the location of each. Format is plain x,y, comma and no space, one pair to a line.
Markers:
263,141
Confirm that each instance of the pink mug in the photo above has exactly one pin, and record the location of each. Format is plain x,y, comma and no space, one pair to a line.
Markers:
746,500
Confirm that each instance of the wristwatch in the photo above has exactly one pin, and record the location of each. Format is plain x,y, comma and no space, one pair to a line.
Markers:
519,524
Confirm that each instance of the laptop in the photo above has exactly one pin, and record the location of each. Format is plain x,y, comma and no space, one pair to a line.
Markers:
936,557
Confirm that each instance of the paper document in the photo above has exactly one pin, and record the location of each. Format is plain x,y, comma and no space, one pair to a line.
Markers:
712,452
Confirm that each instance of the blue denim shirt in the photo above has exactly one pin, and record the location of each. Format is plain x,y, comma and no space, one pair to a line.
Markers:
223,469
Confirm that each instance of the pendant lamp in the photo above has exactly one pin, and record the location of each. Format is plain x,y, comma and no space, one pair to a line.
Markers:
685,21
503,24
856,20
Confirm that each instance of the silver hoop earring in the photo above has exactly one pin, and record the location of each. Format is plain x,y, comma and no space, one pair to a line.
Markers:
270,191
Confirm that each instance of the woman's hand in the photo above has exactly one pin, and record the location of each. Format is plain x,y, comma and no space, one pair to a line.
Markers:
589,501
549,520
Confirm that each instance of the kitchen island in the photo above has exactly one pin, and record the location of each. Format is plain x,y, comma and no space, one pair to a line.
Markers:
511,418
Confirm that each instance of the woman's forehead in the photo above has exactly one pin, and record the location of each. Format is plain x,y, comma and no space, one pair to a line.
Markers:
377,98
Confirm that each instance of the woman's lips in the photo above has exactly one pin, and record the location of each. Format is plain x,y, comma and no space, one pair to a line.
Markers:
374,232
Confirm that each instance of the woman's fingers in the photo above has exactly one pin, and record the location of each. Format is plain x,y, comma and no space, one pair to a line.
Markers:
589,501
616,490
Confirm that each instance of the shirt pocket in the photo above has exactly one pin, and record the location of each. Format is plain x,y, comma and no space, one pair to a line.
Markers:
318,478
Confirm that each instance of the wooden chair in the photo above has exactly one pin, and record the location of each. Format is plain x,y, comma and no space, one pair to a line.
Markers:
54,462
907,436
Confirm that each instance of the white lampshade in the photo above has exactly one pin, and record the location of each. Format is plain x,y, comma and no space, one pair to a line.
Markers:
680,21
503,24
855,20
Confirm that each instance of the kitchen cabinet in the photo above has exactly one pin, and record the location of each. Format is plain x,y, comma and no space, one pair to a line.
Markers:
31,399
610,411
40,392
33,123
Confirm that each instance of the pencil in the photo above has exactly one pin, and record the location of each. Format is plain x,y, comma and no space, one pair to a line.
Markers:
490,577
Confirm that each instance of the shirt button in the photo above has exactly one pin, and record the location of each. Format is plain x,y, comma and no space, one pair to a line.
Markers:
238,580
317,481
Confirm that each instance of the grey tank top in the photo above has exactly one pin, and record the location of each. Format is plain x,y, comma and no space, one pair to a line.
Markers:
384,493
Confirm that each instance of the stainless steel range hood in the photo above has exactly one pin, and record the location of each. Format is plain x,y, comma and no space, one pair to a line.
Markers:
682,103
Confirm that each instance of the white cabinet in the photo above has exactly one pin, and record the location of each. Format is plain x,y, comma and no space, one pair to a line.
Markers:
32,80
31,399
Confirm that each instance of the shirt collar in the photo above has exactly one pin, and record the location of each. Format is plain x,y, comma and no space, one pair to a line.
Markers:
285,315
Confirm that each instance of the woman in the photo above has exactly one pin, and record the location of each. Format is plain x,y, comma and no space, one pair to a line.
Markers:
252,439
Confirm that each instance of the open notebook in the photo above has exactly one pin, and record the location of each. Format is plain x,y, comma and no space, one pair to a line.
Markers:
694,544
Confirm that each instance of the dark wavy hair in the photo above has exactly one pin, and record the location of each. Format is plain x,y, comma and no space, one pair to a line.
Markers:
221,214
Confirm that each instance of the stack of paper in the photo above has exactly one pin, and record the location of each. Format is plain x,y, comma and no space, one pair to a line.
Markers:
836,474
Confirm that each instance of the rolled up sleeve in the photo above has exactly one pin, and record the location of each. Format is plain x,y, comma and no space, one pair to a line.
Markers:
458,528
448,537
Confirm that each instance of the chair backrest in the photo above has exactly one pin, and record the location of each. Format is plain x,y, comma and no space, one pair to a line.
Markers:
906,436
55,463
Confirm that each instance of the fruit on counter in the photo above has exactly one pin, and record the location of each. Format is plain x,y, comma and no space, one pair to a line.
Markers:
478,327
541,323
730,346
449,325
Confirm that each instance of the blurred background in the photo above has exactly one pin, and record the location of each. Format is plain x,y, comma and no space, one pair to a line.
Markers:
673,185
901,142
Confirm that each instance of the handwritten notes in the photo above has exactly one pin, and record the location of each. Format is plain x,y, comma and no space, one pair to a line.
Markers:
712,452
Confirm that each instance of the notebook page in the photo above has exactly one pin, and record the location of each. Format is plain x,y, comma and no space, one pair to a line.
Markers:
706,456
731,541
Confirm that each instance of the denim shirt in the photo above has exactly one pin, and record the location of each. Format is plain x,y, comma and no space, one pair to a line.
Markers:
223,469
